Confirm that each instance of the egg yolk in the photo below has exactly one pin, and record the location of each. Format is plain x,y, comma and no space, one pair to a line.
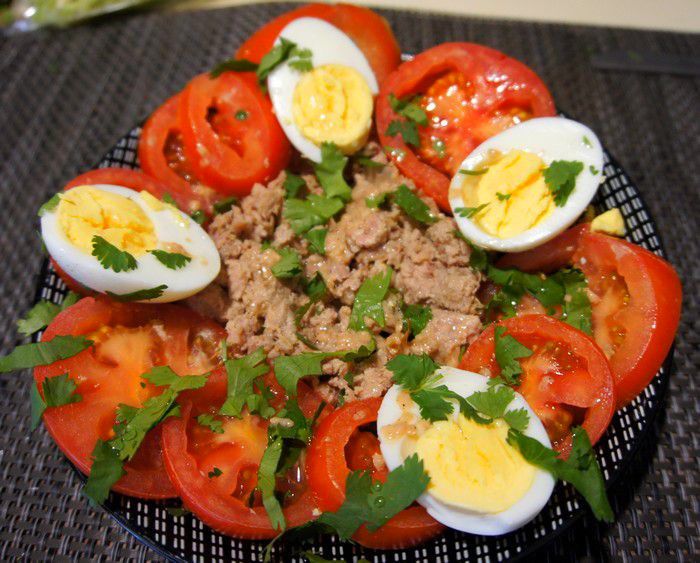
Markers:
333,103
611,223
86,211
513,193
472,466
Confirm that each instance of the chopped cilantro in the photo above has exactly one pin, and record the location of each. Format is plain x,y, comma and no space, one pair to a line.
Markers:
58,391
208,421
502,197
330,172
273,58
43,313
171,260
478,172
289,265
469,212
409,108
215,473
407,129
43,353
139,295
317,240
576,306
243,375
593,170
377,200
368,162
199,217
508,351
413,206
50,205
368,300
415,318
111,257
560,177
292,185
233,65
587,141
478,258
315,210
224,205
241,115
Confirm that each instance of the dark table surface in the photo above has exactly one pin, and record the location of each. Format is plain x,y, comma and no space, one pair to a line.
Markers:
66,96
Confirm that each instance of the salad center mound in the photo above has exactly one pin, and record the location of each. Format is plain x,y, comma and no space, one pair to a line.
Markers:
429,269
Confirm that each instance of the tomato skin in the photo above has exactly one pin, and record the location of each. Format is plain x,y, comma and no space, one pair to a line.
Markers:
327,471
225,152
592,389
76,427
366,28
188,461
158,132
650,318
478,64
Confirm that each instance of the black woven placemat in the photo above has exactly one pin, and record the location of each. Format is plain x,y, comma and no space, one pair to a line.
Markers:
65,97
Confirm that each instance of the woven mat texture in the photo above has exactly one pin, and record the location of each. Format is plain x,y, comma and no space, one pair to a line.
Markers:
67,96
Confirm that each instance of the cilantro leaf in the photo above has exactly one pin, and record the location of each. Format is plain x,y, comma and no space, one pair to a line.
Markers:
289,265
503,197
199,217
43,353
302,59
316,289
508,352
225,205
433,402
292,185
368,162
267,471
330,172
317,240
368,300
402,487
581,469
241,374
314,210
560,177
576,306
273,58
413,206
111,257
478,258
107,468
407,129
171,260
362,353
469,212
41,314
377,200
547,290
411,371
58,391
208,421
408,108
415,318
216,472
139,295
518,419
233,65
50,205
492,402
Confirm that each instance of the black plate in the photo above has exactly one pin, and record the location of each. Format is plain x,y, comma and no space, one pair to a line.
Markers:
185,538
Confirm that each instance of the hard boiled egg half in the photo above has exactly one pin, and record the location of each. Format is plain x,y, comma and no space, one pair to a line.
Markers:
136,223
324,91
527,184
479,483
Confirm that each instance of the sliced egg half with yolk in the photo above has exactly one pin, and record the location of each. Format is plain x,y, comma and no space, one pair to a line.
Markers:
479,483
501,198
333,102
133,222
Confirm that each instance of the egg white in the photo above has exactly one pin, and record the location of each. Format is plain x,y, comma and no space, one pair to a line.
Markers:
328,45
183,282
551,138
466,383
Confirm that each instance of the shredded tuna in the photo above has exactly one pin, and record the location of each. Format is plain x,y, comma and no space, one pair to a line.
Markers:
431,267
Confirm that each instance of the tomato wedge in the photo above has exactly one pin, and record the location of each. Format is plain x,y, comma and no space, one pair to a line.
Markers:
227,501
635,295
469,93
162,155
329,465
129,340
366,28
230,134
567,380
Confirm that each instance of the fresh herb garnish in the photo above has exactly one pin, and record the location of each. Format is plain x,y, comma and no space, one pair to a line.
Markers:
415,318
292,185
139,295
315,210
368,162
478,172
50,205
409,108
508,351
171,260
241,115
224,205
209,421
244,378
407,130
503,197
43,353
377,200
469,212
111,257
43,313
199,217
167,198
316,289
478,258
593,170
267,478
215,472
560,177
289,265
284,51
317,240
576,306
368,300
587,141
413,206
330,172
58,391
233,65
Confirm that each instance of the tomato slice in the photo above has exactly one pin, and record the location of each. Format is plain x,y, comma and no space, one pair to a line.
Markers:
635,296
337,447
162,155
366,28
227,502
470,93
129,339
567,381
230,134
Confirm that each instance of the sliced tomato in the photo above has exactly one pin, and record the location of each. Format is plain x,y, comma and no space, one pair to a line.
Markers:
635,296
129,339
469,93
162,155
567,380
230,134
339,446
370,32
227,501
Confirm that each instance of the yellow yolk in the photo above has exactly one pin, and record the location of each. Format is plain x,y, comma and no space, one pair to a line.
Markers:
611,222
514,193
472,466
333,103
86,211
